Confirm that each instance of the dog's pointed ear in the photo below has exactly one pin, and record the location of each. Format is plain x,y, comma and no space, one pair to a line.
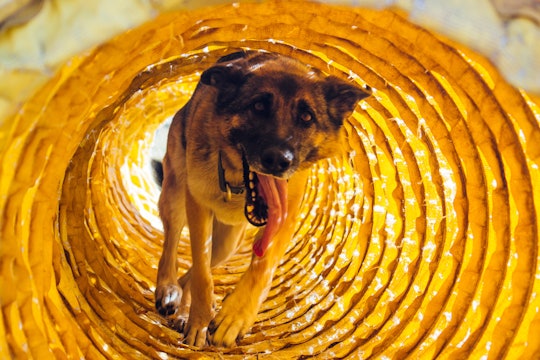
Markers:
342,97
227,78
223,75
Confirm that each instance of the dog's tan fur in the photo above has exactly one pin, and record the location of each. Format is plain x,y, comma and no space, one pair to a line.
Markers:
304,117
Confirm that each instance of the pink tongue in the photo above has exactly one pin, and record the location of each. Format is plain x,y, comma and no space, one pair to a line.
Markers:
274,193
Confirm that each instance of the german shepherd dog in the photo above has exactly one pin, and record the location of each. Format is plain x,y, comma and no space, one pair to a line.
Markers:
238,153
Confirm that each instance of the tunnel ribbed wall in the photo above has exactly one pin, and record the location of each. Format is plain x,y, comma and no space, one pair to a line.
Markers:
421,241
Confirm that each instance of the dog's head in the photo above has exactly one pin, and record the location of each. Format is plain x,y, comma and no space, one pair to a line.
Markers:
282,114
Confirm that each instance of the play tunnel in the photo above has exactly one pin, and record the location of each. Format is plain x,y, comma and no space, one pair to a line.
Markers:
420,241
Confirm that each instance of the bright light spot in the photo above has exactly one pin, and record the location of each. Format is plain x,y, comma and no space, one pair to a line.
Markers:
448,316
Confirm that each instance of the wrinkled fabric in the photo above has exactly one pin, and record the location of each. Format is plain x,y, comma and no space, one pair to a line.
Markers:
420,240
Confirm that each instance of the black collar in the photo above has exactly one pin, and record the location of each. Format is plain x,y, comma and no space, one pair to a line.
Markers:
224,185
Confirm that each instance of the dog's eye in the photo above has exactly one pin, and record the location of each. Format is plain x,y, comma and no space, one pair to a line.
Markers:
306,117
260,106
305,114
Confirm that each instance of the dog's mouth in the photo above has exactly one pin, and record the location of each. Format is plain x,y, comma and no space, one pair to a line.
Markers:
266,204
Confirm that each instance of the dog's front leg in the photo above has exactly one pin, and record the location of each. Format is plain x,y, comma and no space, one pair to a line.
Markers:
202,287
239,309
172,211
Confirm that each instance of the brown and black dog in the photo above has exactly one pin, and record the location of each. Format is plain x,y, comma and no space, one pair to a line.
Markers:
238,153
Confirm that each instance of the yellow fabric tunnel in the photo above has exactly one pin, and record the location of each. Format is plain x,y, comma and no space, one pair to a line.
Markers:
420,241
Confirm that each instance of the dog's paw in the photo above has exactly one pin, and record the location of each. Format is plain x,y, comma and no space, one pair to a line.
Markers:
179,323
235,319
196,330
168,299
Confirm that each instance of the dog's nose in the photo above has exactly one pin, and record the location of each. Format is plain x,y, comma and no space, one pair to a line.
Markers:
276,160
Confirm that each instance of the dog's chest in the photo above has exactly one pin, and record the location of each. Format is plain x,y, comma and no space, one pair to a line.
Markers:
228,209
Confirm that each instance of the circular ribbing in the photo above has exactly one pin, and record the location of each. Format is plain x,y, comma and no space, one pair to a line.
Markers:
420,241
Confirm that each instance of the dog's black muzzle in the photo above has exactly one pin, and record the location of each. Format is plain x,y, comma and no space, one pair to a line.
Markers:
276,160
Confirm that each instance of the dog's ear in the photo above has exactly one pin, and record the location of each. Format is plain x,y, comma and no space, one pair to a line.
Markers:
342,97
223,75
227,78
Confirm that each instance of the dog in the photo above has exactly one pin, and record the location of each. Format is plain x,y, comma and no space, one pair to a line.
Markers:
238,154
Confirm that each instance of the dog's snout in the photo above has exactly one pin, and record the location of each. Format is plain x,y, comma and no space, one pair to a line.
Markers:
276,160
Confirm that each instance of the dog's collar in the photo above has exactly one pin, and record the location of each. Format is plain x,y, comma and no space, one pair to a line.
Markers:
224,186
